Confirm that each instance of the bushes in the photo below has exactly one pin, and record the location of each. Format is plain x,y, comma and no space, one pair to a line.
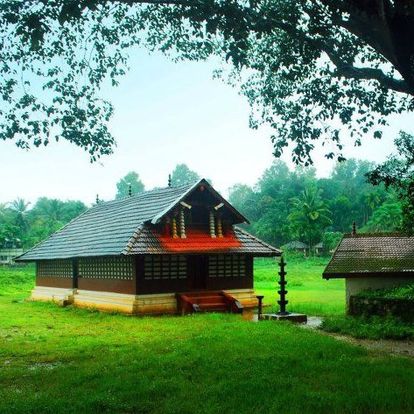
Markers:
400,292
373,327
397,302
378,314
16,279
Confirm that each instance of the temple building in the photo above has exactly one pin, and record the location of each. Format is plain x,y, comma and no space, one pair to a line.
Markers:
167,250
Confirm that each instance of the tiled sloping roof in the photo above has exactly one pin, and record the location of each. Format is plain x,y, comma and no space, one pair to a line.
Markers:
237,241
372,254
123,227
106,228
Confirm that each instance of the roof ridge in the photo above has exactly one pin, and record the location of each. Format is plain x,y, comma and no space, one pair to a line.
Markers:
377,234
140,194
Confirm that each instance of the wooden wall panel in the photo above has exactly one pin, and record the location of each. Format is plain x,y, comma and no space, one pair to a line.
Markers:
60,282
244,282
144,286
107,285
102,274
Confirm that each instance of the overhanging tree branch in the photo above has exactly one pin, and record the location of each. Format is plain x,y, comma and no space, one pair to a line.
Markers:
282,41
346,69
349,71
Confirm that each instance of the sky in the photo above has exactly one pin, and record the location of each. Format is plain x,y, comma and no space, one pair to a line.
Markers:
165,113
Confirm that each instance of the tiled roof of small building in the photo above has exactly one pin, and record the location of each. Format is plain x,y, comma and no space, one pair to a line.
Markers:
119,226
365,254
295,244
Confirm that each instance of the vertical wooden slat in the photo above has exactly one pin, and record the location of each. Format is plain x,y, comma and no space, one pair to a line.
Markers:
75,273
139,272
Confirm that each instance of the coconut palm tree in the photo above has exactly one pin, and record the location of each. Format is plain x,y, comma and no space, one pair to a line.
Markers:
19,208
309,216
19,205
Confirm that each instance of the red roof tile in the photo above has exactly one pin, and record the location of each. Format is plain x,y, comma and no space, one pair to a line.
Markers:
148,241
198,240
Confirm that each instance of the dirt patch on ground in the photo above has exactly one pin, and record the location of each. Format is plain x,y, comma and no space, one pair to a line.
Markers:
388,346
44,365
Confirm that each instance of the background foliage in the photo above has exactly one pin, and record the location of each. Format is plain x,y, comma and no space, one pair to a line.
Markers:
289,205
131,182
283,206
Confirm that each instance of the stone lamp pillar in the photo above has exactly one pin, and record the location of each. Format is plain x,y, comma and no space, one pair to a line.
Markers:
282,292
283,314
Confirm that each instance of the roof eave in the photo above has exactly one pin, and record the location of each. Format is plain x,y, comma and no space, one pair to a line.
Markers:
374,274
19,259
273,254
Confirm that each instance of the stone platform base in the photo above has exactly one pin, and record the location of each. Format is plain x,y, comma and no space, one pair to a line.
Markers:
154,304
246,297
105,301
292,317
60,296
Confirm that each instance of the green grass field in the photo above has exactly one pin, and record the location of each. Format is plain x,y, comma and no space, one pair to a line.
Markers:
307,291
67,360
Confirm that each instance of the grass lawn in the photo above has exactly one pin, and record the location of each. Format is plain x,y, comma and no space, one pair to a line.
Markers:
67,360
374,327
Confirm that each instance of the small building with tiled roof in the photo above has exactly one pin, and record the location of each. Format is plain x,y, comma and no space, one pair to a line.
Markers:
159,251
296,246
372,261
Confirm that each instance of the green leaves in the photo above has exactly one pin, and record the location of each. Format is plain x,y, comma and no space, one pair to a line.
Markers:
130,181
312,71
398,173
56,56
310,215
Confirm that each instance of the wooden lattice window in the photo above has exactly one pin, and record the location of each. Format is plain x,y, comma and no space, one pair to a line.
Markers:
165,267
120,268
54,268
227,266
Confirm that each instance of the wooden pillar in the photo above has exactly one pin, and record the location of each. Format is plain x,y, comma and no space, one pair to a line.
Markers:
167,227
174,227
219,226
259,306
182,224
212,225
75,273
